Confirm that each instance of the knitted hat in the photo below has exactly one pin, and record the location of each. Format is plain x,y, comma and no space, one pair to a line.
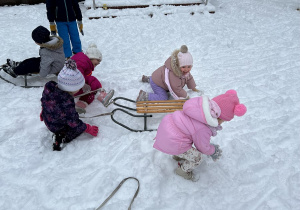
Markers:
93,53
185,58
40,35
230,105
70,78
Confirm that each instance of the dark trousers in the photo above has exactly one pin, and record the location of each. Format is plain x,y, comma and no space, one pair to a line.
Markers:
30,65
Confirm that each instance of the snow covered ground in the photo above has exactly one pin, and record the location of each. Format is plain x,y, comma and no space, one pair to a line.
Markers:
251,46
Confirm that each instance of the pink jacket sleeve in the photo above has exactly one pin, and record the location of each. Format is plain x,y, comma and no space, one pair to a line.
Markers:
191,83
201,141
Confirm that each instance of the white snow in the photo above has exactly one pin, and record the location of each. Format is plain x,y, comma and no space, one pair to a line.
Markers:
251,46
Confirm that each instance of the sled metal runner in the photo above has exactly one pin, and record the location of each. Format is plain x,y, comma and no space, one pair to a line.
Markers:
145,109
145,116
23,86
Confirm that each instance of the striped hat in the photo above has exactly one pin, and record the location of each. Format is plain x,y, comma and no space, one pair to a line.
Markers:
70,78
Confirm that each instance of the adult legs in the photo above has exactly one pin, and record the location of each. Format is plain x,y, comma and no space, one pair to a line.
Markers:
74,36
63,31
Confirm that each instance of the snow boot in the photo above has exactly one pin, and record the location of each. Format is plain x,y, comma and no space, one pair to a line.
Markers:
145,79
104,97
177,158
12,63
58,139
80,107
143,96
9,70
182,173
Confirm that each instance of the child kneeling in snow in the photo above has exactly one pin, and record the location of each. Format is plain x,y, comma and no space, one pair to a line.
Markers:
86,64
200,119
51,60
171,77
58,106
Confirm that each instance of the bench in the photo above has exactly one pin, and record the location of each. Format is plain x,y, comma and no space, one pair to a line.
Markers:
144,109
117,8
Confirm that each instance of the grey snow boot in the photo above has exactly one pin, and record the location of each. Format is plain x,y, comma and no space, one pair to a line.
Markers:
104,97
177,158
12,63
145,79
182,173
9,70
143,96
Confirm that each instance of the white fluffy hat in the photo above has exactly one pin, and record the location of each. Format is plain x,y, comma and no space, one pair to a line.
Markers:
93,53
70,78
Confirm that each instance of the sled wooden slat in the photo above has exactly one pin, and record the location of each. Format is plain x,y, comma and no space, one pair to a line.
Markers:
159,106
144,109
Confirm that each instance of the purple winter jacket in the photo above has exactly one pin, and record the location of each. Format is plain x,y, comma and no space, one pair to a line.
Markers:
178,131
58,111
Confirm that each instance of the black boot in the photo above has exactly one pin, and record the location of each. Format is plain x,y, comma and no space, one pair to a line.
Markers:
58,139
12,63
9,70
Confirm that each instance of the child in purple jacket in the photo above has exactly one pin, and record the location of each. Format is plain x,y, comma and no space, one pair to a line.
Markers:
86,64
186,134
171,77
58,106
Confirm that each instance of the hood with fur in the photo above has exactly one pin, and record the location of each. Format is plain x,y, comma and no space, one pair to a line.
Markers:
55,43
175,64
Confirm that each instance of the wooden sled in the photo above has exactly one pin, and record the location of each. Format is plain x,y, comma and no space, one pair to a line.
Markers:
25,82
145,109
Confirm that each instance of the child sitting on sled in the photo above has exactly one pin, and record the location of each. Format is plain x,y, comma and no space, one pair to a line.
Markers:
171,77
186,134
86,63
58,106
51,59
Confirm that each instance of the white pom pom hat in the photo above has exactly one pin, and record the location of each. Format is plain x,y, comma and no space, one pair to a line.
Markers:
93,53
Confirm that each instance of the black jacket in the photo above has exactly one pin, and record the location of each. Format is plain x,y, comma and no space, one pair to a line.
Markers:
63,10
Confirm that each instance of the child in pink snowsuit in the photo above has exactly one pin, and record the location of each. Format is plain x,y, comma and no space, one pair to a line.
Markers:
86,64
171,77
186,134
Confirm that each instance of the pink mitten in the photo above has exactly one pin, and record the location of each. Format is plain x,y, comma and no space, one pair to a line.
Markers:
91,129
41,117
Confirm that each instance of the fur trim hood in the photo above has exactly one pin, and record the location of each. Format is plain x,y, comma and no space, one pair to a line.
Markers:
55,43
175,63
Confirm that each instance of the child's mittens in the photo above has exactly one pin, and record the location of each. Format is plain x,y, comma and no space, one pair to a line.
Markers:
217,154
41,117
80,27
196,90
92,129
53,28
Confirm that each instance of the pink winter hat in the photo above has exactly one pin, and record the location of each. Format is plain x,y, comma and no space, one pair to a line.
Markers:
185,58
230,105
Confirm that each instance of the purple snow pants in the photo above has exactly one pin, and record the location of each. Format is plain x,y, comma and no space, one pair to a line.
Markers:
159,94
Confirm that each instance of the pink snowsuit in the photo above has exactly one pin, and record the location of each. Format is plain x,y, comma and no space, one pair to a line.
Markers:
86,67
178,131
